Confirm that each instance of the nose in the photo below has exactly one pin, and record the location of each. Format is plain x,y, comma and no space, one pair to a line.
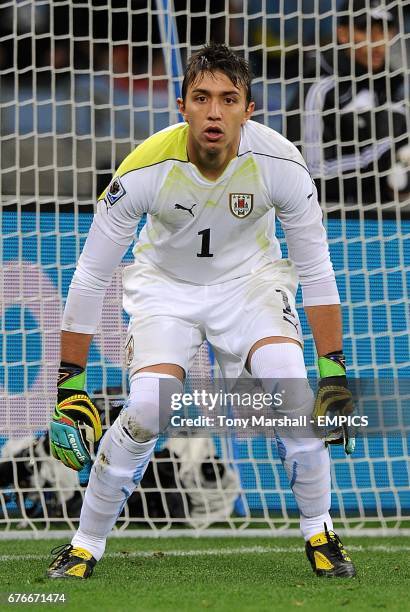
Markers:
214,110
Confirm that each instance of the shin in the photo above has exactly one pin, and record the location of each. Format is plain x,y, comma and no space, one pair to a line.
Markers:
123,456
304,456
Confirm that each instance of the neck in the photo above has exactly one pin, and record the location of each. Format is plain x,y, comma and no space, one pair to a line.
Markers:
211,165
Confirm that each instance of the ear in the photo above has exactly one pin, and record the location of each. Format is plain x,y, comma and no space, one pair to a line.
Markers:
248,112
181,108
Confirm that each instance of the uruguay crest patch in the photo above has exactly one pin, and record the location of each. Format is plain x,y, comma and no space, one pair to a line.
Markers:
115,191
241,204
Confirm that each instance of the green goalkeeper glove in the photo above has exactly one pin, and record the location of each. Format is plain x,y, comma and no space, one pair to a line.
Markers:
74,406
334,399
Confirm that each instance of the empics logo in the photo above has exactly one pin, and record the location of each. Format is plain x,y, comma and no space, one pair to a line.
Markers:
325,420
241,204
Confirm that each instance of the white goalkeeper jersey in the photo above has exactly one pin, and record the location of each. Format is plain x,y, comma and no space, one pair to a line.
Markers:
202,231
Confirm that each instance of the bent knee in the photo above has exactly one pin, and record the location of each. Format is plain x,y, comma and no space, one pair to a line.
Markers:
148,409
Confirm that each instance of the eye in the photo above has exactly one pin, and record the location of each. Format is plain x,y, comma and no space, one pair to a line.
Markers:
230,100
200,98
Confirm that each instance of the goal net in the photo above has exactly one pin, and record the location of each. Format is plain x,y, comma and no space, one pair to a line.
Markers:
82,84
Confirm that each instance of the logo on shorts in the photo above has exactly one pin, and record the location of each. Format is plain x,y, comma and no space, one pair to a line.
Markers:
288,315
115,191
241,204
129,351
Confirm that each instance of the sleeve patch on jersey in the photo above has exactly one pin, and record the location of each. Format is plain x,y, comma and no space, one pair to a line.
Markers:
115,191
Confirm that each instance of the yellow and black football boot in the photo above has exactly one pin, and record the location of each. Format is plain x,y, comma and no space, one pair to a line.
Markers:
327,556
71,563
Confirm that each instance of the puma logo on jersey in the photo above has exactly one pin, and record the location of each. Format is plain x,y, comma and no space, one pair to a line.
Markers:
180,207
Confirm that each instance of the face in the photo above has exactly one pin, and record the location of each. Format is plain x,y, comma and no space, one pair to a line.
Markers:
369,48
215,110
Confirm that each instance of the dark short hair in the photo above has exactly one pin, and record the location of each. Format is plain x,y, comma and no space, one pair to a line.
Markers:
213,57
363,12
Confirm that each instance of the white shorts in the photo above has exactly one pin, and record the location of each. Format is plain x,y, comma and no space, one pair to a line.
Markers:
170,319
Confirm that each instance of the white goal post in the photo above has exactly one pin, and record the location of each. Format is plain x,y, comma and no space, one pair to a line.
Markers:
81,83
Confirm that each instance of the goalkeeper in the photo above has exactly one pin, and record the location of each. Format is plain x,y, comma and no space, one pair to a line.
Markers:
207,266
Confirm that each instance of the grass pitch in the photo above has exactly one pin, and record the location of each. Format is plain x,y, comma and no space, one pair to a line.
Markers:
217,574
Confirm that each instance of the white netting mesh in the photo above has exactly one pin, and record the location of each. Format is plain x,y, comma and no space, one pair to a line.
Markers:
80,85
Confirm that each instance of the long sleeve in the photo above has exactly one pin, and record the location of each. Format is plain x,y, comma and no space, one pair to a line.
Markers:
298,210
110,235
99,259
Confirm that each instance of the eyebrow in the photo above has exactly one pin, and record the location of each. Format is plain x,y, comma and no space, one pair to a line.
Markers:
232,92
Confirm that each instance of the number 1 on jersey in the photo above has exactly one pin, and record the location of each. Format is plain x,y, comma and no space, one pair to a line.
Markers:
206,243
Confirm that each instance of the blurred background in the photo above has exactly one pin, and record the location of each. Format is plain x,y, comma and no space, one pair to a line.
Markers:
83,82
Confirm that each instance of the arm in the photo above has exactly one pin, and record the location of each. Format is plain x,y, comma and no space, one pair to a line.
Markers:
74,347
82,313
329,134
354,144
111,233
333,398
326,325
306,238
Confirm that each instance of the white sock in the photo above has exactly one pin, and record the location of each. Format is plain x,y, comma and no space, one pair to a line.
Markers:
311,526
94,545
122,460
110,485
304,455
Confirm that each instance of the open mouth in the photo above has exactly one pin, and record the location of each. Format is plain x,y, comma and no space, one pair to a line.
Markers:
213,133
